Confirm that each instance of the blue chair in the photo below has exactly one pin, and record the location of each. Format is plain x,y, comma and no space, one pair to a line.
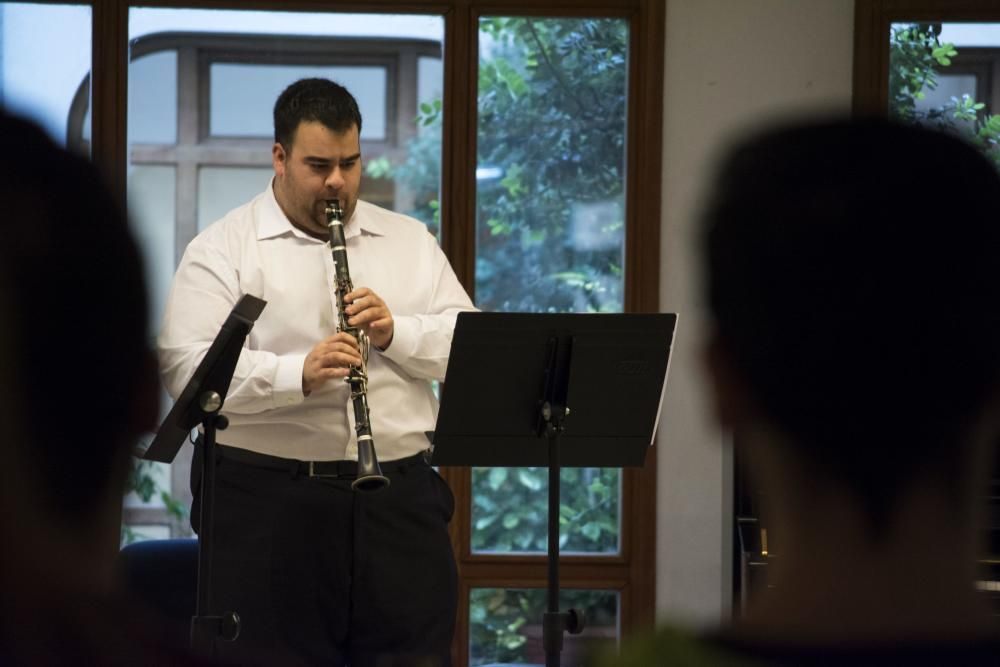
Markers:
162,575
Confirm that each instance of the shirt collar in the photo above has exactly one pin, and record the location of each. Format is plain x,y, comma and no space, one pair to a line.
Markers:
273,222
365,219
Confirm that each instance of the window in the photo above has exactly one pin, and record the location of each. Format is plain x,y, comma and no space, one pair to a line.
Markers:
573,226
44,53
901,39
550,235
974,28
200,132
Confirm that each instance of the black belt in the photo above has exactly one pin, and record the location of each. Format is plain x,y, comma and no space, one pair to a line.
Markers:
336,469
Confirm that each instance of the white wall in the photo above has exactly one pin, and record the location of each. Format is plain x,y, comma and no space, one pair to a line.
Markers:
729,64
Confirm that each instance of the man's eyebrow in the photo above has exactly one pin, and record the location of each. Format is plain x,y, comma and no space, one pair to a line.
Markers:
325,160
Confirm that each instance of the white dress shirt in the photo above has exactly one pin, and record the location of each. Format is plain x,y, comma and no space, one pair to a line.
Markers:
254,249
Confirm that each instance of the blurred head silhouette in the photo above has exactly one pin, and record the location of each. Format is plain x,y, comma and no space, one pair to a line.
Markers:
78,384
855,352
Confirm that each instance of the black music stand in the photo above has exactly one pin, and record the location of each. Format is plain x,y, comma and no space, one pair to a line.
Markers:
200,403
510,381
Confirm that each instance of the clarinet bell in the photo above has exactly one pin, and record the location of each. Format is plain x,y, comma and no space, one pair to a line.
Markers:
370,477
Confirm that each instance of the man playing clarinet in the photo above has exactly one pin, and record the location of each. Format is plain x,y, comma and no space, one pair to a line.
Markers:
321,573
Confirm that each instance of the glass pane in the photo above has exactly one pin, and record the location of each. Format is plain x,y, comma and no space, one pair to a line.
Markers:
417,171
510,510
152,98
944,76
235,99
242,96
221,189
550,231
419,175
45,56
940,75
142,532
152,195
948,86
180,90
145,494
505,625
430,81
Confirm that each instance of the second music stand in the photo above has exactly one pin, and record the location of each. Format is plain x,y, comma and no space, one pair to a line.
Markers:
511,380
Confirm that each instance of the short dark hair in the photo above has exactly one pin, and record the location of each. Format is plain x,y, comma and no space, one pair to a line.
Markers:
852,271
319,100
79,322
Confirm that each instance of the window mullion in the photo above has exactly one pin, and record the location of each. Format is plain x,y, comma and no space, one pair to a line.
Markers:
109,94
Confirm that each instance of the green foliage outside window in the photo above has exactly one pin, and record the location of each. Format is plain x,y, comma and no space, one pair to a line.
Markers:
916,59
510,512
420,170
551,139
552,105
142,481
505,624
550,149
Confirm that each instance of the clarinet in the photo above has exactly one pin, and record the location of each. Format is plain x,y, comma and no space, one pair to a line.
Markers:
369,477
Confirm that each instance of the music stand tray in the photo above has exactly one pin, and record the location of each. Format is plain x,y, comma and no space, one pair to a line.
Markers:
616,374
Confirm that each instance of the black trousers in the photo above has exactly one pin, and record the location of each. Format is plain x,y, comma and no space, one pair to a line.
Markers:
322,574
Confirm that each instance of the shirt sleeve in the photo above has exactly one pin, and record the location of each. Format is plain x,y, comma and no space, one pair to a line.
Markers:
204,291
421,342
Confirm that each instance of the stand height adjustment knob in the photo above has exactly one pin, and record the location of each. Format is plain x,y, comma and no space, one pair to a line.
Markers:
210,401
229,626
575,621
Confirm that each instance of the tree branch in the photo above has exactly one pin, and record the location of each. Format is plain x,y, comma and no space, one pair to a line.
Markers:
556,72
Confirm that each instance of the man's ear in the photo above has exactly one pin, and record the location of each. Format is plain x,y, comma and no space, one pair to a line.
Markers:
730,396
279,158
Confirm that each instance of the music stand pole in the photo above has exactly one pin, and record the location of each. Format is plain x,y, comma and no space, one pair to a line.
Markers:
551,419
552,620
205,628
555,622
199,403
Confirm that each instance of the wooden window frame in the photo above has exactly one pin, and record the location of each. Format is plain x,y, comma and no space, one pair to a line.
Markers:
632,571
872,21
196,148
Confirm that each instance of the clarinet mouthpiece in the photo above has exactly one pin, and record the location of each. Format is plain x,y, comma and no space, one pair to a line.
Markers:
333,210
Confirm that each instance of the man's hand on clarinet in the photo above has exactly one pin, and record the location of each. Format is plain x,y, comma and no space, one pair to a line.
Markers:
331,358
367,310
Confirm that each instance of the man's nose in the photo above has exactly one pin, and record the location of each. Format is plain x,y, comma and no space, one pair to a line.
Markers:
335,179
